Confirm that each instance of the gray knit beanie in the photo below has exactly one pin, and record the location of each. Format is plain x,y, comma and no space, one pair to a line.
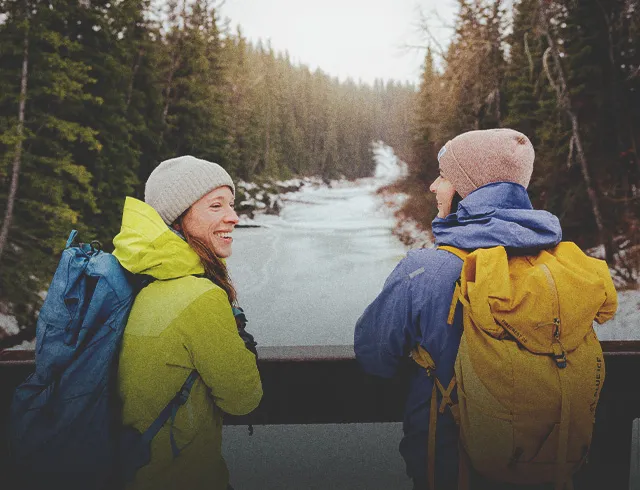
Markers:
176,184
473,159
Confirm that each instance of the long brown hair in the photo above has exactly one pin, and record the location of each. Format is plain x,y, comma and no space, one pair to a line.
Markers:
214,268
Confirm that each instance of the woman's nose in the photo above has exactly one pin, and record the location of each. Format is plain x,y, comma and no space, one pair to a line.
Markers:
434,185
232,217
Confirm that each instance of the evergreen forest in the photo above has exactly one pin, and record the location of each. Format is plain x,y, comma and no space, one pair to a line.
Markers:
567,74
95,93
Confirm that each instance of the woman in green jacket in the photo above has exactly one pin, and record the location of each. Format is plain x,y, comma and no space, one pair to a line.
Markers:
182,321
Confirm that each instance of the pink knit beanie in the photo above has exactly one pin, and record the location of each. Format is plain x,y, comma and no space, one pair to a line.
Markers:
473,159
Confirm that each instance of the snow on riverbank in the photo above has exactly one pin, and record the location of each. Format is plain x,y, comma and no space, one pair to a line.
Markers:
8,326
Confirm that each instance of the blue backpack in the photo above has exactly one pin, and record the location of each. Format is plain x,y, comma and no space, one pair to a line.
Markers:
65,428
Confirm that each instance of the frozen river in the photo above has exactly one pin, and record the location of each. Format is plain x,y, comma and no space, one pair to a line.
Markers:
307,275
304,279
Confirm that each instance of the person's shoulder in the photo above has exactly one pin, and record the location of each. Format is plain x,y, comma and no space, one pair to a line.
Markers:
176,303
193,285
202,301
201,288
432,261
190,289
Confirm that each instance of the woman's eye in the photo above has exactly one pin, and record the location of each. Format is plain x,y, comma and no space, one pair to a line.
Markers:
215,205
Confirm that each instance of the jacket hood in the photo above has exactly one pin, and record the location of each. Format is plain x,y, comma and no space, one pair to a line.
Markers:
498,214
146,245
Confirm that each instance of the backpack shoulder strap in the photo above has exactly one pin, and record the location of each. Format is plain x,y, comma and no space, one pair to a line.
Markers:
458,252
422,357
462,255
170,411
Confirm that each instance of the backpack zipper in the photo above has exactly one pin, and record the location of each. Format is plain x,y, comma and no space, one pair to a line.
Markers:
559,354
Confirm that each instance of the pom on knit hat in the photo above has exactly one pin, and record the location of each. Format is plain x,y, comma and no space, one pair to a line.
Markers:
176,184
476,158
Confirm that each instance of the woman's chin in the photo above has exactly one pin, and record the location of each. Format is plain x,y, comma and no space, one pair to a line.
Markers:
222,253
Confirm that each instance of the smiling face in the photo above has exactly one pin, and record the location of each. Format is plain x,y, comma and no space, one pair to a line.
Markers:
444,192
211,220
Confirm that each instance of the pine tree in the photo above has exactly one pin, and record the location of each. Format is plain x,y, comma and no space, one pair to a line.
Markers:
54,189
241,125
194,112
107,33
524,73
475,67
424,164
144,101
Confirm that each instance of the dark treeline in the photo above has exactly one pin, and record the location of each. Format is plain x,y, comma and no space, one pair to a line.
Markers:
95,93
567,74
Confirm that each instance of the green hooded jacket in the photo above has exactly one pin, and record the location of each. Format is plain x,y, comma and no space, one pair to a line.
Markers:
178,323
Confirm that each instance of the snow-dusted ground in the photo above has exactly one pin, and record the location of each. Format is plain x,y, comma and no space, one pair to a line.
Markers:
315,457
8,325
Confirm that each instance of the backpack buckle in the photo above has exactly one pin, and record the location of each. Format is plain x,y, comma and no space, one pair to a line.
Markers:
561,361
559,355
182,396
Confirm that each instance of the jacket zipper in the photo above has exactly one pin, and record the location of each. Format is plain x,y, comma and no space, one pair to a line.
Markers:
559,354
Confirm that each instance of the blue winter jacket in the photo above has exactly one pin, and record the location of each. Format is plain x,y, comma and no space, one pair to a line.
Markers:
413,306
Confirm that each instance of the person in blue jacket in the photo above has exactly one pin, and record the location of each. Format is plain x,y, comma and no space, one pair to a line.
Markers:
482,202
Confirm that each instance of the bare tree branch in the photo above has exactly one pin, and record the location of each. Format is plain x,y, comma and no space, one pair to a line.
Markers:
134,72
545,64
528,53
424,26
572,146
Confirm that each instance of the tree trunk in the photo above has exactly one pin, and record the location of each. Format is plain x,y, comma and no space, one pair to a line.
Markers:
564,102
175,60
614,64
172,70
17,157
267,143
134,72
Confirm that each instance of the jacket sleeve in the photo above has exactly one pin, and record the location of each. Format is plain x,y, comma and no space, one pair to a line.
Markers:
610,305
384,333
219,355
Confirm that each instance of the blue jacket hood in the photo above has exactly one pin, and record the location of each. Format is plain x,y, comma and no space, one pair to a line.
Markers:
498,214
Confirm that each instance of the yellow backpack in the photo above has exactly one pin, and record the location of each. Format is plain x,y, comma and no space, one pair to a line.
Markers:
529,369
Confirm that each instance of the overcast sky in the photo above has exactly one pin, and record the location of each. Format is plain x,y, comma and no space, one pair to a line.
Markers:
361,39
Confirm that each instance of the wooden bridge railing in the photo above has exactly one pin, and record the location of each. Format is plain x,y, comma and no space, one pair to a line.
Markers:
323,384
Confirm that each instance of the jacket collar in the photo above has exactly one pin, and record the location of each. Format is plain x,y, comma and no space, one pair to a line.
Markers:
498,214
